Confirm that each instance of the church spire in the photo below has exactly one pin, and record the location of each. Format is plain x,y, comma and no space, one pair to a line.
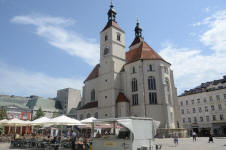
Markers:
138,30
111,13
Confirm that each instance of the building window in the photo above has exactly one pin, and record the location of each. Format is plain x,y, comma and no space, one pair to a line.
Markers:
224,96
186,102
204,100
93,95
219,107
221,117
88,115
150,68
182,111
106,50
181,103
192,101
81,116
207,118
195,120
193,110
212,107
135,99
189,120
25,116
214,118
166,70
188,111
198,101
153,98
206,108
106,38
218,97
118,36
167,84
201,119
133,70
134,85
200,109
151,83
183,120
96,115
211,98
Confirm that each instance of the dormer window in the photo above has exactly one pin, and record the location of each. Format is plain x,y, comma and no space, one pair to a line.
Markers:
118,36
106,38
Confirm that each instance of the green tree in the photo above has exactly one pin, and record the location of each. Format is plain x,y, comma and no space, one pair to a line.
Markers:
3,114
39,113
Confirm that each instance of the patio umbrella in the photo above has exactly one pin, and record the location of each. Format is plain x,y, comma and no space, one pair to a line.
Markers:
3,121
88,120
14,122
63,120
40,121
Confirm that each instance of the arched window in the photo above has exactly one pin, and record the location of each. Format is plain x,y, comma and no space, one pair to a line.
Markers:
93,95
151,83
167,84
106,50
150,67
118,36
133,70
106,38
88,115
134,85
96,115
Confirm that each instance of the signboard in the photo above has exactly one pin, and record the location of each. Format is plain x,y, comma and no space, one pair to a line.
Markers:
109,144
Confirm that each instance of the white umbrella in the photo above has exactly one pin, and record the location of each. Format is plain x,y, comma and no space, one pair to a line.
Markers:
63,120
88,120
3,121
14,122
40,121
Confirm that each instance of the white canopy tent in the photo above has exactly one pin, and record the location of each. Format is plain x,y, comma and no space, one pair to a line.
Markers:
15,122
3,121
40,121
88,120
63,120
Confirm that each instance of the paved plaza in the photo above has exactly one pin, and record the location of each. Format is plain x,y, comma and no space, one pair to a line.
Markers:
184,144
188,144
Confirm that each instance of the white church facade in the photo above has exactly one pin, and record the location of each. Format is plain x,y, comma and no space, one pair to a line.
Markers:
138,82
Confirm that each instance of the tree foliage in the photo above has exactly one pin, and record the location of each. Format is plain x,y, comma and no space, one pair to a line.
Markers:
3,114
39,113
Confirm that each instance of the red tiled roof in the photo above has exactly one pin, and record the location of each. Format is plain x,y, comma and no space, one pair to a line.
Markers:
114,24
90,105
143,51
121,98
94,74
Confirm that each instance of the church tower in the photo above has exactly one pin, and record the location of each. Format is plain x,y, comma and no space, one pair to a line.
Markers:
112,59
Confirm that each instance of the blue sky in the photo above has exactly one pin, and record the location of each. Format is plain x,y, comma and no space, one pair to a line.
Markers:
47,45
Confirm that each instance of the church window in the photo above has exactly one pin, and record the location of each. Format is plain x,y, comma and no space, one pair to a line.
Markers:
151,83
153,98
134,85
118,36
106,38
96,115
106,50
93,95
135,99
88,115
150,68
133,70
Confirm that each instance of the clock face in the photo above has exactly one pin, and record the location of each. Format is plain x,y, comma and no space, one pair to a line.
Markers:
106,50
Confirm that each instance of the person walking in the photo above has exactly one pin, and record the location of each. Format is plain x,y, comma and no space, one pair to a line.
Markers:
74,135
175,140
210,138
194,135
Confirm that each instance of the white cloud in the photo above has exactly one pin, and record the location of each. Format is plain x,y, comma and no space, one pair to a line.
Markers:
24,83
193,66
55,30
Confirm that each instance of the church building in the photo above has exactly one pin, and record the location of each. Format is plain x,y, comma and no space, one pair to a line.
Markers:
137,82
